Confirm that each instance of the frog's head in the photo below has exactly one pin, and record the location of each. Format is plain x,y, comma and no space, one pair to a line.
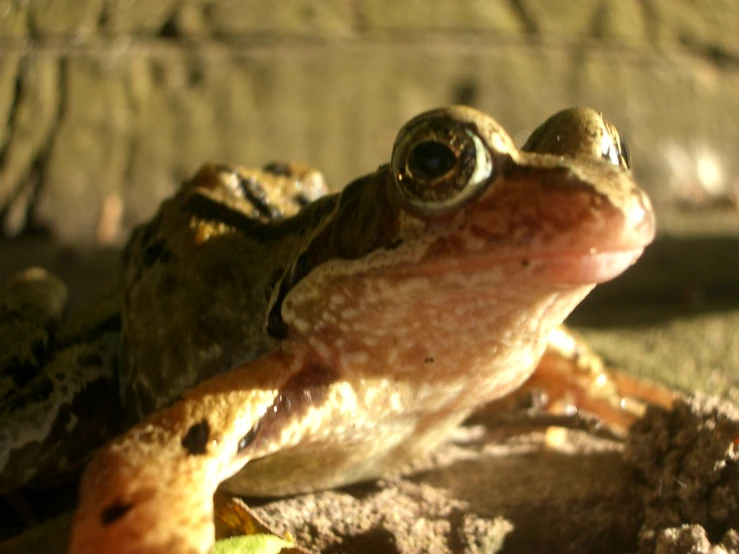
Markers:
565,209
462,227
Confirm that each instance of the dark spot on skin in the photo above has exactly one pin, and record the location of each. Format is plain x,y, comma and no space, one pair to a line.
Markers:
428,360
254,193
209,209
393,245
114,512
279,169
525,263
196,438
247,439
156,252
251,189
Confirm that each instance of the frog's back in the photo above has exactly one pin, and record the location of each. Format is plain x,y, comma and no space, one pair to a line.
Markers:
203,270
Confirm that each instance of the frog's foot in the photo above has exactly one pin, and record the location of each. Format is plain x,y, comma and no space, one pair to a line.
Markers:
572,387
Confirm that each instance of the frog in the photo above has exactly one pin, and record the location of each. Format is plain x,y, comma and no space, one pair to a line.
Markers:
373,321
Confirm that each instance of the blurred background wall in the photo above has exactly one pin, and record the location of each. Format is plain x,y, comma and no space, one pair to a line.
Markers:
107,104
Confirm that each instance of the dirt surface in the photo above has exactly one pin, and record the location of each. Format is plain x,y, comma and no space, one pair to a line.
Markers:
672,489
687,462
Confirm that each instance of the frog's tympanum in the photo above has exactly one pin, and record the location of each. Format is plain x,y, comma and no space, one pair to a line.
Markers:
280,346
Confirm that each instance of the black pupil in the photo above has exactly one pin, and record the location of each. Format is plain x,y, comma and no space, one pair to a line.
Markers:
431,160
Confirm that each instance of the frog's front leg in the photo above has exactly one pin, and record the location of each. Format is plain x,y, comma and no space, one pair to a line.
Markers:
151,490
575,381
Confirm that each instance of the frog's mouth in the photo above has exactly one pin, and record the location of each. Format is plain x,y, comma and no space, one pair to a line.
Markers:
569,269
582,269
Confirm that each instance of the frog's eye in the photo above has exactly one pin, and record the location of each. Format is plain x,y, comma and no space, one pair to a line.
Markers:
439,164
615,150
623,146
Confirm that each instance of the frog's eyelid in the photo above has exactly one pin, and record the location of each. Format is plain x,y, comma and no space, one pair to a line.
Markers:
483,161
625,152
615,150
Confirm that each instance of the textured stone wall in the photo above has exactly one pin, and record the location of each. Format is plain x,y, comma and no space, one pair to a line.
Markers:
107,104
